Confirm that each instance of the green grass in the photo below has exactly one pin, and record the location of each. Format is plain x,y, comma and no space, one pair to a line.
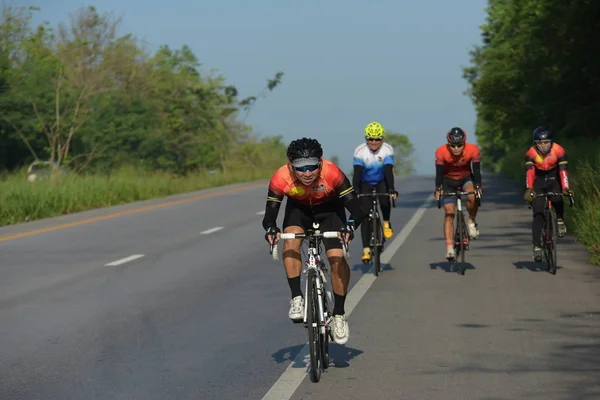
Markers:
21,200
583,220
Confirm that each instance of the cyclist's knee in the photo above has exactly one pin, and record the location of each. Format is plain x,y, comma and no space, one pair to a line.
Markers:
336,259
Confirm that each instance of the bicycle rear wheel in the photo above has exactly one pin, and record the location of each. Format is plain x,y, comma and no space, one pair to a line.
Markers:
312,320
461,242
551,242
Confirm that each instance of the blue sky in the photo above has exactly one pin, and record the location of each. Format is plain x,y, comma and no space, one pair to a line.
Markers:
346,63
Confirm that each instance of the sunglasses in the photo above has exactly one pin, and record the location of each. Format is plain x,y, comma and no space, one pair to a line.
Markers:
306,168
543,142
456,145
374,140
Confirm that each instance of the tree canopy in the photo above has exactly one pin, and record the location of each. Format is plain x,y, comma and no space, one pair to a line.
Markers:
84,96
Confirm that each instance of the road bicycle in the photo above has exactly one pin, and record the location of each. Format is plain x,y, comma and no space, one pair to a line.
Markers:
461,233
318,296
550,230
376,241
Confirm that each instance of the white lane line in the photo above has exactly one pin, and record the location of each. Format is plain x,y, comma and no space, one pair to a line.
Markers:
293,376
124,260
211,230
260,212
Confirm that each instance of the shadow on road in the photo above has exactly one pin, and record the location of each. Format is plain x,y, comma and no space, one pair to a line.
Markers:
451,267
339,355
368,268
572,356
532,266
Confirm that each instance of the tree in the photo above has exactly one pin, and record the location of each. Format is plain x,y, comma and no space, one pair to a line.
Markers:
403,152
85,97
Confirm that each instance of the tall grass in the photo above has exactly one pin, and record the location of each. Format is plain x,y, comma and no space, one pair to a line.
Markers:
583,220
21,200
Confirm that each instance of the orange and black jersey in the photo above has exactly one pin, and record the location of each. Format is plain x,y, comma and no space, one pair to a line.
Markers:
554,161
457,167
331,185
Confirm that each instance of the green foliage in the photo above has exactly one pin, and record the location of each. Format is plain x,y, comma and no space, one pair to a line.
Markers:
84,97
404,152
535,67
22,201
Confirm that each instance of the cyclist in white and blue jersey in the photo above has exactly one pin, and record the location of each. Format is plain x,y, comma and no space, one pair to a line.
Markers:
374,168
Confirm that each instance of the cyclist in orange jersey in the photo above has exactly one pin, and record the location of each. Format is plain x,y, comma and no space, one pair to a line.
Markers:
316,190
546,171
458,166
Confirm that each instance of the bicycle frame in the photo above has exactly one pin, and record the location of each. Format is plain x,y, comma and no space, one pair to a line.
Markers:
549,230
461,233
376,227
315,269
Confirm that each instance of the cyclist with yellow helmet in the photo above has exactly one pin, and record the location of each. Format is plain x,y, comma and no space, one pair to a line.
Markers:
374,168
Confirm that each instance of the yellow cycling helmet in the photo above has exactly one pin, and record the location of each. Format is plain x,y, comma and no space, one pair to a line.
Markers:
374,130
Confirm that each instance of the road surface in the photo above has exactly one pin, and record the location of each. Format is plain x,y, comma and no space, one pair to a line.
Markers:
179,299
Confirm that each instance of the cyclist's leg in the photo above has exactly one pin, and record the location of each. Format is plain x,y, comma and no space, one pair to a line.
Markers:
468,186
386,210
449,204
294,221
365,228
559,206
537,206
340,273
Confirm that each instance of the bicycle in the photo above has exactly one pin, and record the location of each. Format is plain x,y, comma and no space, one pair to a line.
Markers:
376,241
550,230
318,299
461,234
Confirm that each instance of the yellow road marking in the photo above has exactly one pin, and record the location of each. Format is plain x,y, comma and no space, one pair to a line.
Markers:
120,214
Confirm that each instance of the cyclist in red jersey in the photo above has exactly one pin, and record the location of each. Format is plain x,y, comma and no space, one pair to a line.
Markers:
546,171
316,190
457,166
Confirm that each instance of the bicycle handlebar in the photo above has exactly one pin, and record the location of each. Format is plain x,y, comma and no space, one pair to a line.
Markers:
459,193
554,194
375,194
326,235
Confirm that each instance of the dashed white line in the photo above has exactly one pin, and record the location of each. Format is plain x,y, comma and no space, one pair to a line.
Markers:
293,376
211,230
124,260
260,212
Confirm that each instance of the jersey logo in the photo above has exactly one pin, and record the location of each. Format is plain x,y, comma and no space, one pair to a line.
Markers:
319,188
297,191
539,158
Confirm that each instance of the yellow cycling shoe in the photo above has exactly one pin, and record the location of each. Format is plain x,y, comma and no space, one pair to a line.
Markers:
388,232
366,256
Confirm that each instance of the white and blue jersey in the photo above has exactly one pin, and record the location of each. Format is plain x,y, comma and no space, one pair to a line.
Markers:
373,163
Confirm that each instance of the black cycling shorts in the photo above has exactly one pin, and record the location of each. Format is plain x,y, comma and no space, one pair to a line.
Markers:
330,216
453,185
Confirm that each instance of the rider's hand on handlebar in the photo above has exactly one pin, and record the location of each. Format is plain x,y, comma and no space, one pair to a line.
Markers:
438,193
568,192
394,194
529,195
348,231
272,235
479,190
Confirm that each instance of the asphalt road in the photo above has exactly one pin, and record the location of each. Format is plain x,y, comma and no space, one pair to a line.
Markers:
179,299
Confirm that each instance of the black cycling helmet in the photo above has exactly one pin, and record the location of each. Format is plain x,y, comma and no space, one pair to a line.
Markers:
304,148
456,136
542,133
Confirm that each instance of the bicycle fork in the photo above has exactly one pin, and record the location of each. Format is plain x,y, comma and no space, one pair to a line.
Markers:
324,318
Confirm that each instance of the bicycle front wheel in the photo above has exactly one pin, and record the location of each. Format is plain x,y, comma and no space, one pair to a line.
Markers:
312,320
375,250
551,236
